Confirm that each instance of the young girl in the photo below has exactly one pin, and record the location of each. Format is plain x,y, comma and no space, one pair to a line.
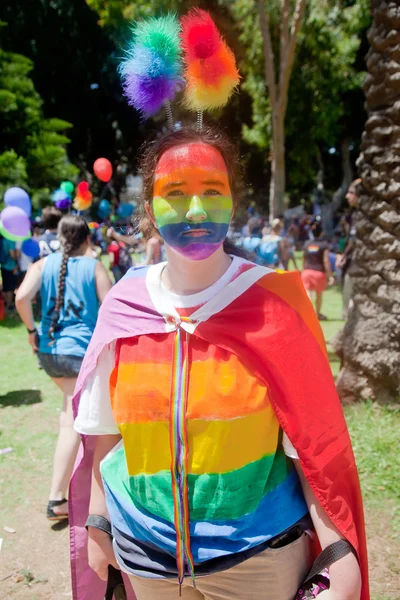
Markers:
71,287
213,434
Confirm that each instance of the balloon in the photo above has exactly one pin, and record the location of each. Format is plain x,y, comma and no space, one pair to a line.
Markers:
10,236
83,188
15,221
125,210
67,187
103,169
59,195
104,209
83,202
16,196
63,203
31,248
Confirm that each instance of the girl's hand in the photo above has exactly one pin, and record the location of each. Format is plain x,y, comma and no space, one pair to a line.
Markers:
100,552
33,339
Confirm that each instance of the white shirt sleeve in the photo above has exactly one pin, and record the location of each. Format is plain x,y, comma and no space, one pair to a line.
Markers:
95,416
288,447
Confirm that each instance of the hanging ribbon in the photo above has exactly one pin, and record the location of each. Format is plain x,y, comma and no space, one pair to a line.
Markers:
180,453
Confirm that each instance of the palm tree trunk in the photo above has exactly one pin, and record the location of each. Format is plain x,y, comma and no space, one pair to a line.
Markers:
369,345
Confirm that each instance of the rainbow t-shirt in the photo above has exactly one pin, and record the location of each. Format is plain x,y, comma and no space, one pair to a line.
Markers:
242,489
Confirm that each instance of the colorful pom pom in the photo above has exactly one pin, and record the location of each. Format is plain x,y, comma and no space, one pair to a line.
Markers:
152,69
210,66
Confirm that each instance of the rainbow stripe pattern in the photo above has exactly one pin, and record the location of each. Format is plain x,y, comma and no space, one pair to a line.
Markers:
201,474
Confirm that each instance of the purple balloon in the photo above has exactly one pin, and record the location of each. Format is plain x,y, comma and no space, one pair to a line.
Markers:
16,221
31,248
16,196
64,203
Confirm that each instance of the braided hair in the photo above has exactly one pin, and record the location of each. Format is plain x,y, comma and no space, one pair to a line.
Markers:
73,231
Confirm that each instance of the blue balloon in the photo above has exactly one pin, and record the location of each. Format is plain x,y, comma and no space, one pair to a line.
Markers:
104,209
31,248
16,196
125,210
60,195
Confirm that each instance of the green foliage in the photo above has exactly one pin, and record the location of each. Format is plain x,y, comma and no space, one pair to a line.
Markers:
324,75
32,149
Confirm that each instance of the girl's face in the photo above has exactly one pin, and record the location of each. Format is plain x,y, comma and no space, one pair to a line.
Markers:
192,202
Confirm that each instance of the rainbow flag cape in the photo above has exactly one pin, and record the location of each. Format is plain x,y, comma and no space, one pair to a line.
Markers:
266,319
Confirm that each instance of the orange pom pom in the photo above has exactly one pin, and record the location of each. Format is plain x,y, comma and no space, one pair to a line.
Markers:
211,71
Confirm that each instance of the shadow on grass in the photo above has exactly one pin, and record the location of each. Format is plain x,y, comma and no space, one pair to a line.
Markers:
10,322
20,397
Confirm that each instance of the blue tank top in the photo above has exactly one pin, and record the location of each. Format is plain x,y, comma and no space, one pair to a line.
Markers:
79,313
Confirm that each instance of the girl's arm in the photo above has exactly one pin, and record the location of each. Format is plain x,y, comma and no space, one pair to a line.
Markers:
345,575
103,282
100,550
25,294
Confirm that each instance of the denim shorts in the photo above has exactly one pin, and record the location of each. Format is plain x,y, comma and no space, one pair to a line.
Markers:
60,365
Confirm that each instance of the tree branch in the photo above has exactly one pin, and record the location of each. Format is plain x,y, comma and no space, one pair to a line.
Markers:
269,58
287,63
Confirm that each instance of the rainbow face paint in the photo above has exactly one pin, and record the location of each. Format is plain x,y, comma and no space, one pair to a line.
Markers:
192,201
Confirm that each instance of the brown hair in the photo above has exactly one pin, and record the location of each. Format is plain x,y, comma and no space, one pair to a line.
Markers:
152,152
51,216
73,231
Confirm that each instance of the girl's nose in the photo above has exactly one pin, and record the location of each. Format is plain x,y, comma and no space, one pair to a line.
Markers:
196,211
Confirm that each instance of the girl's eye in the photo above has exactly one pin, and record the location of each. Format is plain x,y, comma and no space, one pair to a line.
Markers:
174,193
212,192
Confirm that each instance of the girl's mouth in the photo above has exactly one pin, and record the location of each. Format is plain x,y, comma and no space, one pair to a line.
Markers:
196,232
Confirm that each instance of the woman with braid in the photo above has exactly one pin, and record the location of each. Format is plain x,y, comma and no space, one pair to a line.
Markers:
71,287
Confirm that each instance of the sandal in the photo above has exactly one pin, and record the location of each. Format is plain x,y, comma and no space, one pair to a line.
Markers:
322,317
51,515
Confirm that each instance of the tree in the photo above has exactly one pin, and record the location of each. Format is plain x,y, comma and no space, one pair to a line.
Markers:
278,87
32,148
324,104
369,345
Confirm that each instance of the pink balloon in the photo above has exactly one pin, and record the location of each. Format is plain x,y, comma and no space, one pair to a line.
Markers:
103,169
16,221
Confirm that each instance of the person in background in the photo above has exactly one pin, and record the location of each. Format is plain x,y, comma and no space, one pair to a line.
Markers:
154,248
71,286
24,262
9,269
120,259
291,236
273,250
253,238
352,198
317,273
48,241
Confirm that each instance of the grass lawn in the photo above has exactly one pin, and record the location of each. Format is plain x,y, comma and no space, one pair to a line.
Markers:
34,558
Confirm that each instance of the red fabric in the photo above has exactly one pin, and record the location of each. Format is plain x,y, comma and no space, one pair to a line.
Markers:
278,345
314,281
